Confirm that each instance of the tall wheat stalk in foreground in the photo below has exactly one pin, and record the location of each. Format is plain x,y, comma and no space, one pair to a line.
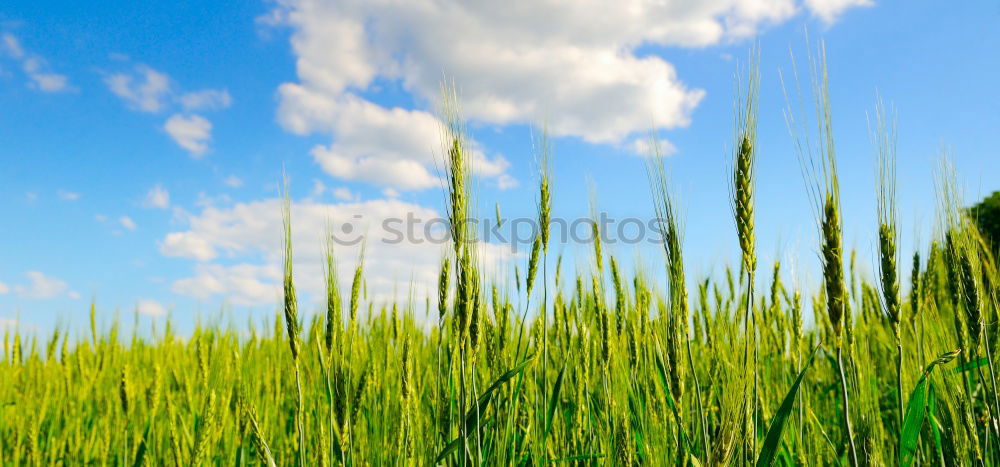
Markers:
544,219
743,207
677,332
468,300
969,264
819,167
884,136
333,300
292,318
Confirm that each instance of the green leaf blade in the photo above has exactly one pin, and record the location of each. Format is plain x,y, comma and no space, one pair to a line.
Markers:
773,439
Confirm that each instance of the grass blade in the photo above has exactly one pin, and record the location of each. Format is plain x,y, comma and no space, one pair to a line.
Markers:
773,438
472,417
915,410
140,454
553,401
664,380
971,365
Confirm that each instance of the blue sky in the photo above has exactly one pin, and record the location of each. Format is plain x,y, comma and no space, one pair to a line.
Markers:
144,142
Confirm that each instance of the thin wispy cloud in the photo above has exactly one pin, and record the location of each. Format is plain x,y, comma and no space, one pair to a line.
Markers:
127,223
207,99
40,286
142,88
67,195
35,68
157,197
343,194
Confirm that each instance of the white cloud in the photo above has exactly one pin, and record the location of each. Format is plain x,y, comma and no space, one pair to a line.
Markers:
48,82
157,197
11,46
68,195
829,10
247,236
233,181
127,223
150,308
582,75
344,194
642,146
512,66
206,99
148,90
191,132
34,66
100,218
188,245
393,147
242,284
142,89
318,188
205,200
506,182
40,287
4,289
373,144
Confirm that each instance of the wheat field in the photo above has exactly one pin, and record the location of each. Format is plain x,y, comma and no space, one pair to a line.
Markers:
586,366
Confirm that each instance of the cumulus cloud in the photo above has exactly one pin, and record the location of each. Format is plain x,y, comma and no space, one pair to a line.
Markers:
394,147
142,88
40,287
157,197
373,144
150,308
4,289
127,223
237,249
233,181
34,66
583,75
242,284
191,132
